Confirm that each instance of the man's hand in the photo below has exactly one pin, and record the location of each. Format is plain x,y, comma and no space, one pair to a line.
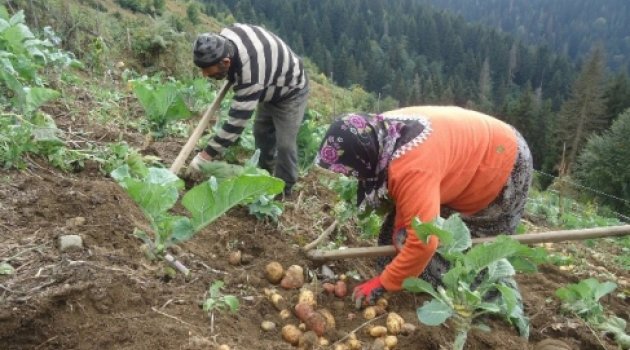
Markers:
367,292
194,168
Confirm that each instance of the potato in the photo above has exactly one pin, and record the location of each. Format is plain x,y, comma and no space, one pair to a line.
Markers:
274,272
394,323
294,278
307,296
391,341
377,331
303,310
267,326
328,287
341,347
330,319
372,311
340,289
382,302
408,329
369,313
354,344
223,347
379,344
269,291
285,313
234,258
323,342
275,298
313,320
308,340
291,334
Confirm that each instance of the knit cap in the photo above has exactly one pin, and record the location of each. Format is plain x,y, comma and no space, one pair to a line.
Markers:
209,49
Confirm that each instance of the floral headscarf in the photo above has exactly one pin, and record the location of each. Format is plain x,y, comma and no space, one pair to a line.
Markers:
362,146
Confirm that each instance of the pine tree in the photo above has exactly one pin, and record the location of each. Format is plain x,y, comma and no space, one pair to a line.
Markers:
617,97
604,164
583,113
485,87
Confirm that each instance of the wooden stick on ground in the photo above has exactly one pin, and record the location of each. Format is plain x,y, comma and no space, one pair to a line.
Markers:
321,237
528,238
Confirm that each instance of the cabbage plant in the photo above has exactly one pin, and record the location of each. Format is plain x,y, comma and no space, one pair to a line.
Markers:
478,283
156,191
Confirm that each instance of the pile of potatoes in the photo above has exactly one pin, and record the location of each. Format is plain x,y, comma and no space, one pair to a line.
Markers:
315,324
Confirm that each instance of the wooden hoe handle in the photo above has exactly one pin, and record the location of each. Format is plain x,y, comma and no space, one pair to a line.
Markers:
201,127
528,238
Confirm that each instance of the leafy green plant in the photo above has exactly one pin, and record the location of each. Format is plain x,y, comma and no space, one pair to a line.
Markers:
265,207
157,191
617,327
6,268
38,135
369,222
22,56
163,103
582,299
15,141
309,139
479,281
217,301
199,93
623,258
546,205
117,154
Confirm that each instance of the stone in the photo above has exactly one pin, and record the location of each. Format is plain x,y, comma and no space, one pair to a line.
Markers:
70,243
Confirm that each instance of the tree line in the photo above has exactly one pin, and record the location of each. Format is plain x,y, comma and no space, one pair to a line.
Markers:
420,55
568,26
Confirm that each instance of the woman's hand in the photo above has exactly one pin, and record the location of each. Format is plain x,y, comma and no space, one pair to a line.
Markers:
367,292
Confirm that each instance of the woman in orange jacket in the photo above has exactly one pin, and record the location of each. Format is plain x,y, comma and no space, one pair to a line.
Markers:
429,161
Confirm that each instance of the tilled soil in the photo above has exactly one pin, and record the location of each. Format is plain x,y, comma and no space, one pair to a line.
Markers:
108,295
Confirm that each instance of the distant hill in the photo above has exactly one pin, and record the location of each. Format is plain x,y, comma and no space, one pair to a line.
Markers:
568,26
408,50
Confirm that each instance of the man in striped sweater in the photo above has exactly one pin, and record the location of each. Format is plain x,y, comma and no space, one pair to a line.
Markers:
268,76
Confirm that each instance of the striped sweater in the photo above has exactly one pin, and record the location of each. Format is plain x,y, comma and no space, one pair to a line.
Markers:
263,69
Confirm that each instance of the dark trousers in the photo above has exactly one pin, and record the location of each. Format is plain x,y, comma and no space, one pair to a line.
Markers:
275,133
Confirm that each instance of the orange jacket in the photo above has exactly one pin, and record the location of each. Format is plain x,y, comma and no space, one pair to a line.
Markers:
463,164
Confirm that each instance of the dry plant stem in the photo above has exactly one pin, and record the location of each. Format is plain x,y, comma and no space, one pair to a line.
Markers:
321,237
46,342
171,260
299,200
25,251
599,340
356,329
173,317
176,264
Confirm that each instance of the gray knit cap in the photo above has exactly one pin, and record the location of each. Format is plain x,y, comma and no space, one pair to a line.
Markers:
209,49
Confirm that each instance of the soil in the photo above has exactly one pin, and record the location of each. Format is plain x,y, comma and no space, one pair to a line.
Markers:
108,295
